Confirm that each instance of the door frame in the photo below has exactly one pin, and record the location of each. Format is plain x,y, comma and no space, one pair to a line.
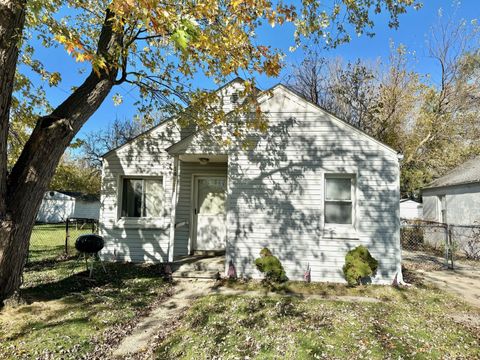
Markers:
194,204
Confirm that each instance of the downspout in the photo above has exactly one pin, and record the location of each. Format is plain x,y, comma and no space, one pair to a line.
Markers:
398,279
173,208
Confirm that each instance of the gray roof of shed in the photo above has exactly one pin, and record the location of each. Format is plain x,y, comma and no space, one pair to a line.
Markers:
466,173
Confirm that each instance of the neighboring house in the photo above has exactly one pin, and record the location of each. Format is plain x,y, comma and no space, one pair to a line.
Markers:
57,206
455,197
410,209
310,189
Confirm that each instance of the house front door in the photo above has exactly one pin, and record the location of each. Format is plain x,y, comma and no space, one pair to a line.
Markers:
210,213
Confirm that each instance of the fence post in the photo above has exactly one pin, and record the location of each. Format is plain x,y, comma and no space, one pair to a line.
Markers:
448,246
452,248
67,236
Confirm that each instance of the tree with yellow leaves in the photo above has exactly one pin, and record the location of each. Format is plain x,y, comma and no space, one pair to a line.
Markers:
156,45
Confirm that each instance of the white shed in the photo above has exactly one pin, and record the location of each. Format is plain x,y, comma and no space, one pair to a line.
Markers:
57,206
410,209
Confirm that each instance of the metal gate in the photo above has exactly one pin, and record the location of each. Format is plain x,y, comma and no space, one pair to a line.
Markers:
430,240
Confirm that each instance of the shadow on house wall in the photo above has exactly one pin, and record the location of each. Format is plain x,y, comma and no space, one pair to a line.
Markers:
275,196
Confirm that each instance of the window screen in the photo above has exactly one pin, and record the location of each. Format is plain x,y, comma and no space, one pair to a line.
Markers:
142,197
338,200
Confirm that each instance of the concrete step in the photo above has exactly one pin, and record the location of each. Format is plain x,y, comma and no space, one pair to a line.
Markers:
208,252
196,274
216,264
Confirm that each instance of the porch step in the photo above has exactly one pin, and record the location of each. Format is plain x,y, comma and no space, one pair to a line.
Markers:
196,274
209,253
199,267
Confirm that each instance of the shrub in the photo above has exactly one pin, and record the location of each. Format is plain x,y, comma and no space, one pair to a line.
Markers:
270,266
359,263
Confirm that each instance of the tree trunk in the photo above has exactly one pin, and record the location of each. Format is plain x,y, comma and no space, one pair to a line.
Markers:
12,19
37,163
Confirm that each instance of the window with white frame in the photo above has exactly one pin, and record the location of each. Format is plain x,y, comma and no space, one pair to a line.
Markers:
234,98
142,197
339,199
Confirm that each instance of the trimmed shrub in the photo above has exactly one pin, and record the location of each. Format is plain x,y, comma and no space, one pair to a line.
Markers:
270,266
265,252
359,264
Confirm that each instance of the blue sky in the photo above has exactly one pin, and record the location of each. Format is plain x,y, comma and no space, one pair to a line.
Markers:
412,33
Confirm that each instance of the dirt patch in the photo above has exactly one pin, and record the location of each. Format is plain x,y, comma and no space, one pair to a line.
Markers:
471,321
417,260
161,319
464,283
411,275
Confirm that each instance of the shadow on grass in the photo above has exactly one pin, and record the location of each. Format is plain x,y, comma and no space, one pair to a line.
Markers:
80,282
44,263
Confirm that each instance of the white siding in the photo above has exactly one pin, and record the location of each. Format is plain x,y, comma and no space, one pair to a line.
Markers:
184,207
146,239
462,207
55,207
462,204
276,196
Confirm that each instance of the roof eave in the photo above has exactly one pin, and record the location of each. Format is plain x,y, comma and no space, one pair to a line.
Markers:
433,186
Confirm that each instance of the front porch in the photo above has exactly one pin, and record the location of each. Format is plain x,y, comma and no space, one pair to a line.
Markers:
198,217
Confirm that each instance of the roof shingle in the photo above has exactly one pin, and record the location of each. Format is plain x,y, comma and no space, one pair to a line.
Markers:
466,173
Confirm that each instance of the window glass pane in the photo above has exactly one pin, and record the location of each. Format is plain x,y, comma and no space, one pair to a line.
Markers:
338,213
132,198
153,197
338,189
211,196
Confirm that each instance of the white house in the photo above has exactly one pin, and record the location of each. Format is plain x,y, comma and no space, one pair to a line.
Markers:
410,209
455,198
310,189
57,206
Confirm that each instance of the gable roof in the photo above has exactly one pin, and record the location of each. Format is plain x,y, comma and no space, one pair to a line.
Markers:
466,173
262,93
183,142
161,124
167,120
334,117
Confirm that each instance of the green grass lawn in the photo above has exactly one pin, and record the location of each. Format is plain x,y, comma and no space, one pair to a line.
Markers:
68,315
414,323
48,240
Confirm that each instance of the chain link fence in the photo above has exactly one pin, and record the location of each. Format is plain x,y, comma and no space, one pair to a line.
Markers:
438,242
53,241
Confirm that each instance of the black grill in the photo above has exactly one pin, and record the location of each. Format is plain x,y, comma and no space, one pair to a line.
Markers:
89,243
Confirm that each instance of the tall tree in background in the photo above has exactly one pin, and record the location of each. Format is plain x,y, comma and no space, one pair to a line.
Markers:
76,174
147,43
349,90
119,132
446,128
435,125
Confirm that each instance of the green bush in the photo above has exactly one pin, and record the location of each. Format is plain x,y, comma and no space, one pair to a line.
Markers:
359,263
270,266
265,252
